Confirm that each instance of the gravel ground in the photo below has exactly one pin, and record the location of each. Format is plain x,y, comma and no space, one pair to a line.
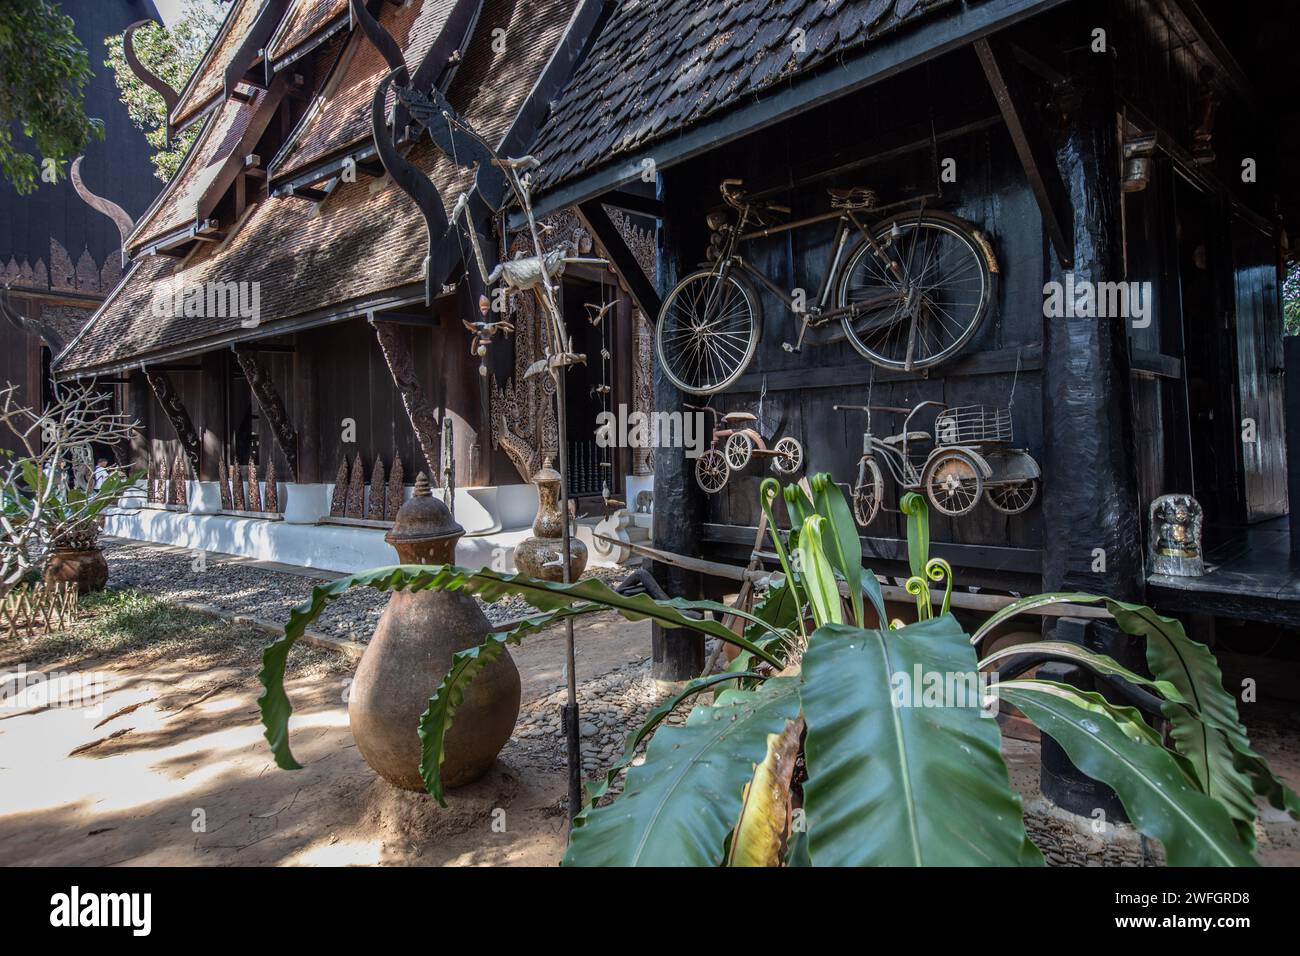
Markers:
244,588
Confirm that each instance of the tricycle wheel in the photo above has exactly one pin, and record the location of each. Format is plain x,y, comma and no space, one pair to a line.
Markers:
740,448
953,483
867,494
789,456
1012,498
711,471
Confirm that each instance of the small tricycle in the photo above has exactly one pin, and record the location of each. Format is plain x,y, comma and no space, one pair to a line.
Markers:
969,455
740,443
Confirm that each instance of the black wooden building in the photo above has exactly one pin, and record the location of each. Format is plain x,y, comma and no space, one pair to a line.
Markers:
1093,141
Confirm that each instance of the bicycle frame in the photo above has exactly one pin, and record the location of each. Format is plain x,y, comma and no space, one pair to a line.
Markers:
820,314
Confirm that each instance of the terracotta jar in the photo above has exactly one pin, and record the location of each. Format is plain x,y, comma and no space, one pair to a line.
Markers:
411,652
542,555
87,567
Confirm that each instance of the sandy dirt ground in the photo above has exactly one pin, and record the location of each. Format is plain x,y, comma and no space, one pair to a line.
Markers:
169,767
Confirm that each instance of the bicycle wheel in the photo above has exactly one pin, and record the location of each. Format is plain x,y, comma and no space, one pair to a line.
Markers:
1012,498
930,309
789,456
708,331
867,494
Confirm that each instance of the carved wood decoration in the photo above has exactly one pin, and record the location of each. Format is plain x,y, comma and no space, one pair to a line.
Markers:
396,494
523,411
401,365
178,492
272,405
236,489
356,490
169,96
339,499
254,494
226,504
174,408
375,503
271,500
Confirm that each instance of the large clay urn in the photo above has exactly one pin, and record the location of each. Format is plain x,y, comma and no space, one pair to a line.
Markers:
411,652
542,555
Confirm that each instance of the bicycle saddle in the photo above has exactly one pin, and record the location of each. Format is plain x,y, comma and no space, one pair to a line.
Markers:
740,417
910,436
856,197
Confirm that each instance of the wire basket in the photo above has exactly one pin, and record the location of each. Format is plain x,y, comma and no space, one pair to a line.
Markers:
971,424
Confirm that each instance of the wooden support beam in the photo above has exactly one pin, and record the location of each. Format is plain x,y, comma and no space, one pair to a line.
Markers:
401,365
1036,156
635,203
272,405
597,222
170,400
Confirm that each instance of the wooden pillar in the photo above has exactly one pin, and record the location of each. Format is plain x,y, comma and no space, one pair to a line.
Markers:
308,397
272,405
679,508
1091,525
170,400
137,406
212,416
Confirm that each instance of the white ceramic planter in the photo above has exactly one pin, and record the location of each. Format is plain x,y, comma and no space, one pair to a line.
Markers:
305,504
204,497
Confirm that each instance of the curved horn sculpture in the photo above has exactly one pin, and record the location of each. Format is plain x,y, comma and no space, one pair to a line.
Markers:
24,324
169,96
125,224
409,179
381,39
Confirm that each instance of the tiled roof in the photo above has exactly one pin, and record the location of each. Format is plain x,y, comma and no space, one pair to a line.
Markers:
365,239
341,117
208,81
304,20
216,146
660,66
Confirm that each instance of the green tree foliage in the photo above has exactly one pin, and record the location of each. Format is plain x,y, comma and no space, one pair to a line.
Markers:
172,55
43,73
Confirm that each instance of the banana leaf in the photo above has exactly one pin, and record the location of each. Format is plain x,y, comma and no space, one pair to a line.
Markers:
1205,724
491,586
891,784
819,578
678,807
1195,829
765,809
1100,663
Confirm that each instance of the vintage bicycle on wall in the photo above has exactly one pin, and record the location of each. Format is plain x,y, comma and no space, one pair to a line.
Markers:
741,442
968,456
907,295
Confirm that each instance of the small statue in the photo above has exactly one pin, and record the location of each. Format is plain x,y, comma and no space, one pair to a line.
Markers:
1175,536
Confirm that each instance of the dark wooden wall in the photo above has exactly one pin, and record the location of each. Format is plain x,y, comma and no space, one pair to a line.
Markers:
989,191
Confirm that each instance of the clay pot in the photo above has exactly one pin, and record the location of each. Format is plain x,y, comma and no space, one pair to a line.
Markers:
411,652
542,555
88,568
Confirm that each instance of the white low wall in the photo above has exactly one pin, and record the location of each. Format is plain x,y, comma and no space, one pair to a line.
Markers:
328,547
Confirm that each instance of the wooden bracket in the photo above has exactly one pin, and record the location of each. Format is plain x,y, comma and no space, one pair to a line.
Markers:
597,222
170,400
401,365
1036,156
272,405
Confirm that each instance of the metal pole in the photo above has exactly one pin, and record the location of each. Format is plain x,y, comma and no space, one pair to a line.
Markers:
569,712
